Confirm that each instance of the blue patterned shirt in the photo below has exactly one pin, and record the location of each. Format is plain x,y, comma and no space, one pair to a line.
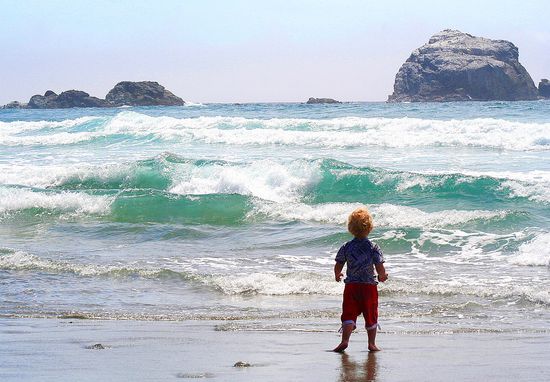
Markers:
360,255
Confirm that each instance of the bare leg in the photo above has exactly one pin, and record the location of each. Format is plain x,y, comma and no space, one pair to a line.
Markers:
372,340
346,334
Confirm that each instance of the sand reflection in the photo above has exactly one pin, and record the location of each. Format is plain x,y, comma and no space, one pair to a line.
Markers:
352,371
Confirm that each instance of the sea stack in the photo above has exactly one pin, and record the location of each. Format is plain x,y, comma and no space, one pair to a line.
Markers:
312,100
143,93
126,93
544,88
67,99
456,66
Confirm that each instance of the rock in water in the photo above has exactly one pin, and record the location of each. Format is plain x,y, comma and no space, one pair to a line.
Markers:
47,101
68,99
14,105
144,93
77,98
544,88
312,100
456,66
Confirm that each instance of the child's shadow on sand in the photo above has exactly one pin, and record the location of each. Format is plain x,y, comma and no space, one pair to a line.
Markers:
352,371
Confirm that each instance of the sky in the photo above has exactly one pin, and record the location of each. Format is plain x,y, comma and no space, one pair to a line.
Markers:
244,50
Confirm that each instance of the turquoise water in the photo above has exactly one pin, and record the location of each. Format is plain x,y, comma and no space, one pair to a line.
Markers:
236,211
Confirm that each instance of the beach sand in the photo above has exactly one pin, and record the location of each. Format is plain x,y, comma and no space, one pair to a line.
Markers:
60,350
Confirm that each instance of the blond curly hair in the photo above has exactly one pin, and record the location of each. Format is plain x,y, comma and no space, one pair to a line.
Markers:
360,222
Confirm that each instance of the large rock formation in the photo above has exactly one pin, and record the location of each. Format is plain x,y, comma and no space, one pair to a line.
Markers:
312,100
65,100
456,66
144,93
544,88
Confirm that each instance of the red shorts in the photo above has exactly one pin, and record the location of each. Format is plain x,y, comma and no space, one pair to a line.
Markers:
360,298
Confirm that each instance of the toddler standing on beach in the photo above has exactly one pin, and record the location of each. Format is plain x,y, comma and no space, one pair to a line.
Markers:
360,293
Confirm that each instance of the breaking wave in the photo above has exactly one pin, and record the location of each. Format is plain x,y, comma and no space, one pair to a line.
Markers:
169,188
331,133
14,200
314,181
535,252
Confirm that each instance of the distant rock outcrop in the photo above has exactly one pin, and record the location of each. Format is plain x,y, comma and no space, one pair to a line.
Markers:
47,101
456,66
65,100
312,100
77,98
544,88
14,105
144,93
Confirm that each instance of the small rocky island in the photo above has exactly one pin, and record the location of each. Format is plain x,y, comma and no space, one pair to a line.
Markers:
126,93
544,88
145,93
312,100
456,66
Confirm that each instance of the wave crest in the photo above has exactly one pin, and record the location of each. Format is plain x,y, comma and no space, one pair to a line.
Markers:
13,200
312,181
330,133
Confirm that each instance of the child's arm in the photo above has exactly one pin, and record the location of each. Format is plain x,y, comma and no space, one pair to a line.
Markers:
338,271
382,275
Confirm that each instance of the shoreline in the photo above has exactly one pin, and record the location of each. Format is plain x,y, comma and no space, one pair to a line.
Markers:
63,350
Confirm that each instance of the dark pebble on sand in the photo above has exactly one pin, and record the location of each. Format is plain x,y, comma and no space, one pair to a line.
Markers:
241,364
96,347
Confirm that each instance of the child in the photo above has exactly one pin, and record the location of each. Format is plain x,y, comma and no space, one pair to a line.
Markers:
360,292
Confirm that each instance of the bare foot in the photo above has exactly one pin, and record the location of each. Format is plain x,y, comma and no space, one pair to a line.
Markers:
374,348
340,348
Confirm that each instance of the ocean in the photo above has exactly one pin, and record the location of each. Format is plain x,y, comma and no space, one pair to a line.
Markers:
234,213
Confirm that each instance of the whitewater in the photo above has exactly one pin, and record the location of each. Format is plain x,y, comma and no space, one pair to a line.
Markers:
235,212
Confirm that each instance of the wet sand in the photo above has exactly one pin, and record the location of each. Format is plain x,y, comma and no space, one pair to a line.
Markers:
62,350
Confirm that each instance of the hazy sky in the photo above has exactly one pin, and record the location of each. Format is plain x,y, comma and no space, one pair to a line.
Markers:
245,51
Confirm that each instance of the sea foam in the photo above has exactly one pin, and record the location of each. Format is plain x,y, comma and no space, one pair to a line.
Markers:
26,126
21,260
485,288
275,284
385,215
535,252
298,282
264,179
17,199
